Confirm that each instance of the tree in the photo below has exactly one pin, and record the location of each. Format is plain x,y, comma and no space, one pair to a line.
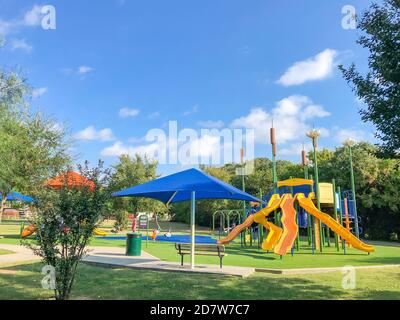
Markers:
132,171
65,222
32,150
32,147
377,190
379,89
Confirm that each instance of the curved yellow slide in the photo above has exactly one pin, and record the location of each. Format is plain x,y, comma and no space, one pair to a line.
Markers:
290,227
275,232
331,223
99,232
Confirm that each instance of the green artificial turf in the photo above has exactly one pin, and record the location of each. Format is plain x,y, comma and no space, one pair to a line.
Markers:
252,256
24,282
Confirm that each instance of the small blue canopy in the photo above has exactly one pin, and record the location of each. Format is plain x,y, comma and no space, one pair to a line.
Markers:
16,196
178,187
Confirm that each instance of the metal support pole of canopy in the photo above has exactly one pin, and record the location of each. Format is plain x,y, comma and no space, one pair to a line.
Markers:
192,228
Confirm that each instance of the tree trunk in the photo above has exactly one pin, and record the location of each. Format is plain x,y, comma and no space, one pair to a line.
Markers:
3,203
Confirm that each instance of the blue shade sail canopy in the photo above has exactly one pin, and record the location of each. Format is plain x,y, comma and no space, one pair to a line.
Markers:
178,187
16,196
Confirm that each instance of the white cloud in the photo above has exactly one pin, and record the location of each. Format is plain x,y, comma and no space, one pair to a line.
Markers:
5,27
91,134
324,132
314,111
354,134
199,148
211,124
148,150
84,70
57,126
21,44
119,149
194,109
295,149
205,146
36,93
154,115
126,112
318,67
115,150
33,17
291,117
137,139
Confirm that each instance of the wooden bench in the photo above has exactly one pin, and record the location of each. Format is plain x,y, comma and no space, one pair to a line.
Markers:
201,250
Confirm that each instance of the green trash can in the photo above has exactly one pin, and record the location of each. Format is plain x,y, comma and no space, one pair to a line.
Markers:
134,244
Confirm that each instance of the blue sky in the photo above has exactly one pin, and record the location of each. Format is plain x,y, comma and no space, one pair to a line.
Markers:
113,70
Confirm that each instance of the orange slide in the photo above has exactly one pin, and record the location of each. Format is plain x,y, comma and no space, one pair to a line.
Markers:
237,230
28,231
259,217
290,228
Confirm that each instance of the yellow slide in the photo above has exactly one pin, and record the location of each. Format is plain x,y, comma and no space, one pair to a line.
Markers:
274,231
99,232
331,223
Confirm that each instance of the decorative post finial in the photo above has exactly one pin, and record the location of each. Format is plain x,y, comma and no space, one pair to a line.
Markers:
349,142
314,134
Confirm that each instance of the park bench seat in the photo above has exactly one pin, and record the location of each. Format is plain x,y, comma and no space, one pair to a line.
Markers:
201,250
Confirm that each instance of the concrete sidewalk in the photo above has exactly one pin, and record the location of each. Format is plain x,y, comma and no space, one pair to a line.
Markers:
21,255
115,257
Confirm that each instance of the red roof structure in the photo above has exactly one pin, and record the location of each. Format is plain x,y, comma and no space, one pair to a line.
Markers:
71,179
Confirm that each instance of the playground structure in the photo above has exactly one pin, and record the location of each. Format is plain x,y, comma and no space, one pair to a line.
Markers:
281,238
301,203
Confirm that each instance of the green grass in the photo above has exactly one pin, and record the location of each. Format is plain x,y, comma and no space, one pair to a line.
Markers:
4,251
23,282
253,257
250,256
